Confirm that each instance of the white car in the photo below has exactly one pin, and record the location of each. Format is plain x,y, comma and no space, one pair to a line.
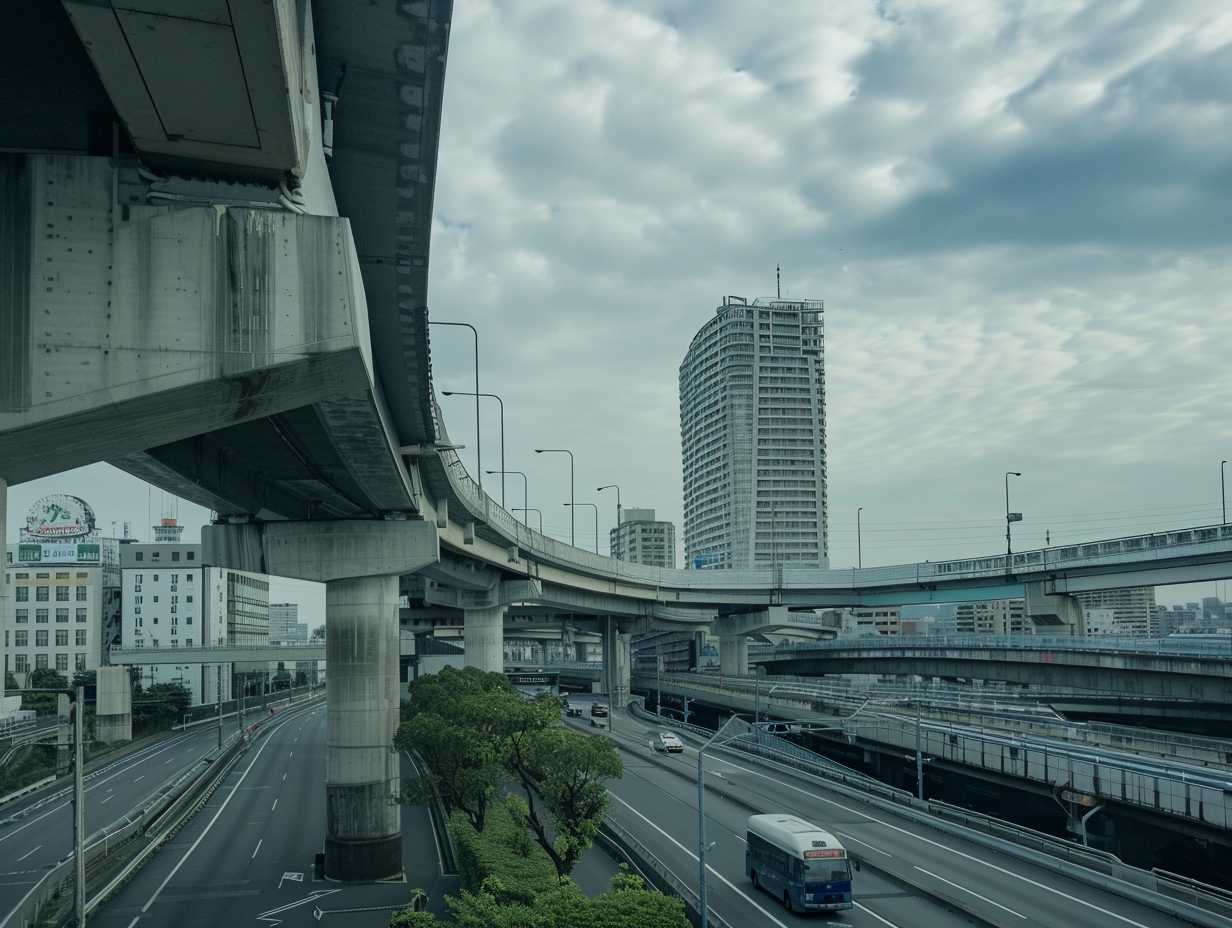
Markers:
666,742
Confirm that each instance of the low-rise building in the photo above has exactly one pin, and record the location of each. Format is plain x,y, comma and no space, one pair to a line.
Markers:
641,539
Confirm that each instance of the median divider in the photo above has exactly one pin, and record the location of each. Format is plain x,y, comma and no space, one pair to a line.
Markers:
113,853
654,871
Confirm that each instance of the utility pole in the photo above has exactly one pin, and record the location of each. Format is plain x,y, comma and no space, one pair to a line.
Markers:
79,811
919,755
219,690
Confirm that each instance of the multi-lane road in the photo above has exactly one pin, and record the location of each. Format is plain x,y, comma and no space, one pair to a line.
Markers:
39,832
247,857
912,874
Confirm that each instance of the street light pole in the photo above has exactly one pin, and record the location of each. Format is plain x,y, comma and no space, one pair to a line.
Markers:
520,509
596,508
859,541
525,482
572,527
478,456
612,486
1223,496
502,432
1009,516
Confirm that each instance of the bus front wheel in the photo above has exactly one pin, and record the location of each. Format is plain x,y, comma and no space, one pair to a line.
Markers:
787,902
756,884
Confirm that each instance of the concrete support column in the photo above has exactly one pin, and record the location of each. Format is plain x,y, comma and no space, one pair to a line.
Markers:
362,775
5,620
360,563
1052,613
483,634
115,705
734,655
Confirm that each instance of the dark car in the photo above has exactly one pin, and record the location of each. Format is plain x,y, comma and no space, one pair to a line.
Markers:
598,710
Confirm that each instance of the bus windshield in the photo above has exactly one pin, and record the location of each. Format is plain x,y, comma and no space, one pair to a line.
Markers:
826,871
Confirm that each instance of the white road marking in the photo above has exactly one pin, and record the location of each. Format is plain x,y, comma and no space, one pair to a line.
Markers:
865,843
201,837
274,806
284,776
108,799
937,844
258,847
139,779
864,908
973,893
27,854
744,895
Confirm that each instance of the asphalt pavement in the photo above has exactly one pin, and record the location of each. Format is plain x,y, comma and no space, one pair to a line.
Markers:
37,832
912,874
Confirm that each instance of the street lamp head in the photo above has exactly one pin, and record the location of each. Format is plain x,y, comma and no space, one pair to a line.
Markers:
446,393
539,450
1013,473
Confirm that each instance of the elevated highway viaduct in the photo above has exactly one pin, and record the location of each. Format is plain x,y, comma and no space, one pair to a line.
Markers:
214,239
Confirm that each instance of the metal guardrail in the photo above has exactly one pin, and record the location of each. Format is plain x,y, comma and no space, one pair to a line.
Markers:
1202,646
1212,900
165,810
662,875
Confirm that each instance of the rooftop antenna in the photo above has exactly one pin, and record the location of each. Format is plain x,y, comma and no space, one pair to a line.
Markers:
778,282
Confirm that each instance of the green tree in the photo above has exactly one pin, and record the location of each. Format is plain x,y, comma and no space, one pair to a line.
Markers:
408,918
160,707
474,730
319,632
84,678
44,678
629,905
10,681
568,770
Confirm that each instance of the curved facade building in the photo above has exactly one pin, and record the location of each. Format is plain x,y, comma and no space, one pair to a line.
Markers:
753,435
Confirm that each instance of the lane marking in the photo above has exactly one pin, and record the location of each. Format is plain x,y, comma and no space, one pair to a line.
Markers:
865,843
284,776
937,844
274,806
27,854
201,837
139,779
736,889
259,840
108,799
864,908
972,892
292,754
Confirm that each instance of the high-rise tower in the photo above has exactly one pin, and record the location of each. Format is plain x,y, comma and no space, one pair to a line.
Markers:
753,437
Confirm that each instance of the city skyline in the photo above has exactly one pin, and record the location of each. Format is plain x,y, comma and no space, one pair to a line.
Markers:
1013,216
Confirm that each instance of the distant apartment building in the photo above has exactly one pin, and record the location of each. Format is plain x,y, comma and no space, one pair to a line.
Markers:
63,581
992,617
871,620
753,437
284,624
1133,609
640,539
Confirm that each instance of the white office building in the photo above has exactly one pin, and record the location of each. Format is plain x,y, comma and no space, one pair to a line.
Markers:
753,436
1132,610
171,601
640,539
993,617
63,590
284,624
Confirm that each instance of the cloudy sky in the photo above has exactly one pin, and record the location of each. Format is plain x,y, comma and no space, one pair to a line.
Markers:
1017,215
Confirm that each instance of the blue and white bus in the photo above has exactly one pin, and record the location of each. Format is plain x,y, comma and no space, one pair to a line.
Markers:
805,866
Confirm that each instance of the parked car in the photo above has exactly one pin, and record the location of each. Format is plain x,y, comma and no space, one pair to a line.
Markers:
667,743
573,712
598,710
